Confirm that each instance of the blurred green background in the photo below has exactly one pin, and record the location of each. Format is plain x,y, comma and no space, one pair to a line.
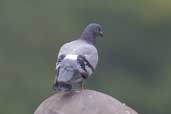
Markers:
134,55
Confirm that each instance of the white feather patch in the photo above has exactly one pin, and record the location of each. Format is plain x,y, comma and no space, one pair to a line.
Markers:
71,57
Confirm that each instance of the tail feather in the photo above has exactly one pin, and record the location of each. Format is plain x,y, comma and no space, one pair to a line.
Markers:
60,86
65,75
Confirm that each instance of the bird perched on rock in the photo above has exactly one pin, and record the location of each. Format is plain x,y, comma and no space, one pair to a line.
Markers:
77,59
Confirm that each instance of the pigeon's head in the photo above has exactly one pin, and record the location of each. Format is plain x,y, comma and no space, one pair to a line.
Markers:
91,32
94,29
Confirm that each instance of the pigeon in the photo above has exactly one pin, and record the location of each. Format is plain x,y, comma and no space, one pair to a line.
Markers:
77,59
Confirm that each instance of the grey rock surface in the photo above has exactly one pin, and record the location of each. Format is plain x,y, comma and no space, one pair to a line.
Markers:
83,102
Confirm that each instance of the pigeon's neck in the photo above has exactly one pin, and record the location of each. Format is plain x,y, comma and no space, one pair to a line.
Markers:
89,38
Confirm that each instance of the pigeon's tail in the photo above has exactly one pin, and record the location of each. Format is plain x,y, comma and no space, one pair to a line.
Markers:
60,86
62,81
64,76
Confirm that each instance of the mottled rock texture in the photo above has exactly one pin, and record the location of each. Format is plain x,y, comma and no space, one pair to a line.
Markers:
83,102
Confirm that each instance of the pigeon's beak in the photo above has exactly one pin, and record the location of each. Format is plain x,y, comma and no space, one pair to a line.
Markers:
101,34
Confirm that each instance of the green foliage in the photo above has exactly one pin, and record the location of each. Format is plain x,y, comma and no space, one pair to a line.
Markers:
134,54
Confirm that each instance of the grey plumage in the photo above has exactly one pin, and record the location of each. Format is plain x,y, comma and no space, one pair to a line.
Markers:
77,59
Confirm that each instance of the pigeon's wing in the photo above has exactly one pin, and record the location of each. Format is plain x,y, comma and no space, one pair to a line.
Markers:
90,58
91,55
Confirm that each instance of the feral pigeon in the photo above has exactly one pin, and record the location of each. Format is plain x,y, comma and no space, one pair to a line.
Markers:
77,59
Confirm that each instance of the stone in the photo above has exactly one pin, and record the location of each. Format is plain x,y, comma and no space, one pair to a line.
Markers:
82,102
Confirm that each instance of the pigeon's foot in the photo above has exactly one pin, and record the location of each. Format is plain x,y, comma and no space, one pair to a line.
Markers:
82,86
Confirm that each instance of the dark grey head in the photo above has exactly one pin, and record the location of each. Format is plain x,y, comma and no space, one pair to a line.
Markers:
91,32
